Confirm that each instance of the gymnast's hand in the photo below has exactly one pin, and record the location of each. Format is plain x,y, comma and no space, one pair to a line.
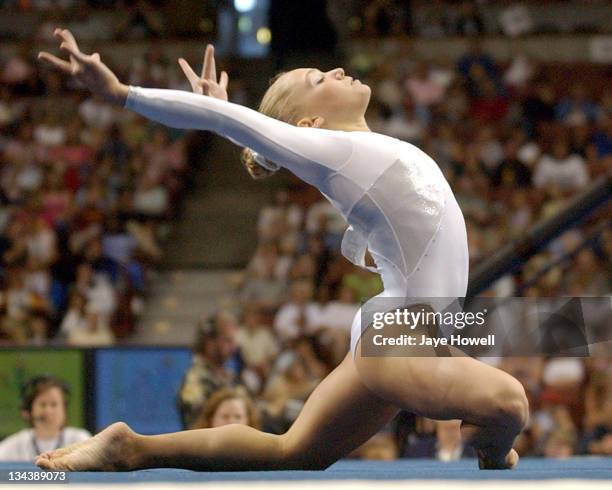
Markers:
207,84
87,70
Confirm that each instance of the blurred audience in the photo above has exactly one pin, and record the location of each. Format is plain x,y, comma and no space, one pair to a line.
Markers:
85,190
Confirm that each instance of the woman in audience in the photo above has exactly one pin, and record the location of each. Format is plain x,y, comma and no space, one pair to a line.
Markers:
44,406
228,406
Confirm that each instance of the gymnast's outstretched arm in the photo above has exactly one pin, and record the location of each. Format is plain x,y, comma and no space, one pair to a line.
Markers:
308,152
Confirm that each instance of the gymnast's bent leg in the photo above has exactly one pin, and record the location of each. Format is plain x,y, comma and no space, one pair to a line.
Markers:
340,415
491,403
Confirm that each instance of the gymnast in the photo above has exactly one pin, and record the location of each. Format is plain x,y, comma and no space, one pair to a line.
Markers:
399,208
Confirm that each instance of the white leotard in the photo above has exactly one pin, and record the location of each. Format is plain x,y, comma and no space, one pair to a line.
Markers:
394,197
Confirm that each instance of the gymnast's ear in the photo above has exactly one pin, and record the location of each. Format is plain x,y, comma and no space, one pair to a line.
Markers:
311,122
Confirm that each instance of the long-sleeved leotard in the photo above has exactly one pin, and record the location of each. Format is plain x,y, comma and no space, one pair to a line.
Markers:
394,197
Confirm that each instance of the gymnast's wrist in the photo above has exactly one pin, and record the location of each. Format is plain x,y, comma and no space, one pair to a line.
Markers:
119,94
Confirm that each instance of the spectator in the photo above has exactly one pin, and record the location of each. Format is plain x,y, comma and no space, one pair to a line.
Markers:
96,114
426,88
228,406
561,440
602,139
288,390
18,71
86,25
405,125
323,219
93,331
297,317
50,131
258,345
76,317
511,172
142,20
21,306
520,72
117,243
151,198
598,410
261,282
216,342
476,57
539,106
561,169
587,276
384,17
44,406
280,218
576,109
488,150
448,433
468,21
489,106
334,323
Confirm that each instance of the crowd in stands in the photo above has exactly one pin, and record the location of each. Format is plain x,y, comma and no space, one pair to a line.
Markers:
516,143
86,192
442,18
122,20
127,20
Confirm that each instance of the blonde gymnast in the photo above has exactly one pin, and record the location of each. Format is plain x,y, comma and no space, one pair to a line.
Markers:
399,207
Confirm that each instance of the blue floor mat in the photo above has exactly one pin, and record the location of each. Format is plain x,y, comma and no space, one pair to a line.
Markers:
589,468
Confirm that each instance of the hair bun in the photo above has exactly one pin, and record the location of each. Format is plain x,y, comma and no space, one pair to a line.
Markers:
255,165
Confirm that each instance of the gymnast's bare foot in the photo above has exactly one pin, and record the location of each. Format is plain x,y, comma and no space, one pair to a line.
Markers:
487,463
110,450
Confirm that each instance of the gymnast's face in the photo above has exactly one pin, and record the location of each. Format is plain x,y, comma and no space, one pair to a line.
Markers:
329,99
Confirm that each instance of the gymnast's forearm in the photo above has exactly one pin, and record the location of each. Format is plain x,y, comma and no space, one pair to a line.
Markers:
176,108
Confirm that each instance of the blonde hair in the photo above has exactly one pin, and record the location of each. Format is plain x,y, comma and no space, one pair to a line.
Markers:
278,104
204,420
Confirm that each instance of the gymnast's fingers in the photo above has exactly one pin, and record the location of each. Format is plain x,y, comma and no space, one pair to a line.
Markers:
55,62
74,51
209,70
66,36
189,73
224,80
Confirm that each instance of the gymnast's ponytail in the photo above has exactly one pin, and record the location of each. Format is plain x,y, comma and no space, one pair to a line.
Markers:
275,104
257,166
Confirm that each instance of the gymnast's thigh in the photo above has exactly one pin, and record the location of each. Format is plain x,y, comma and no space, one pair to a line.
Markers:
339,416
453,386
